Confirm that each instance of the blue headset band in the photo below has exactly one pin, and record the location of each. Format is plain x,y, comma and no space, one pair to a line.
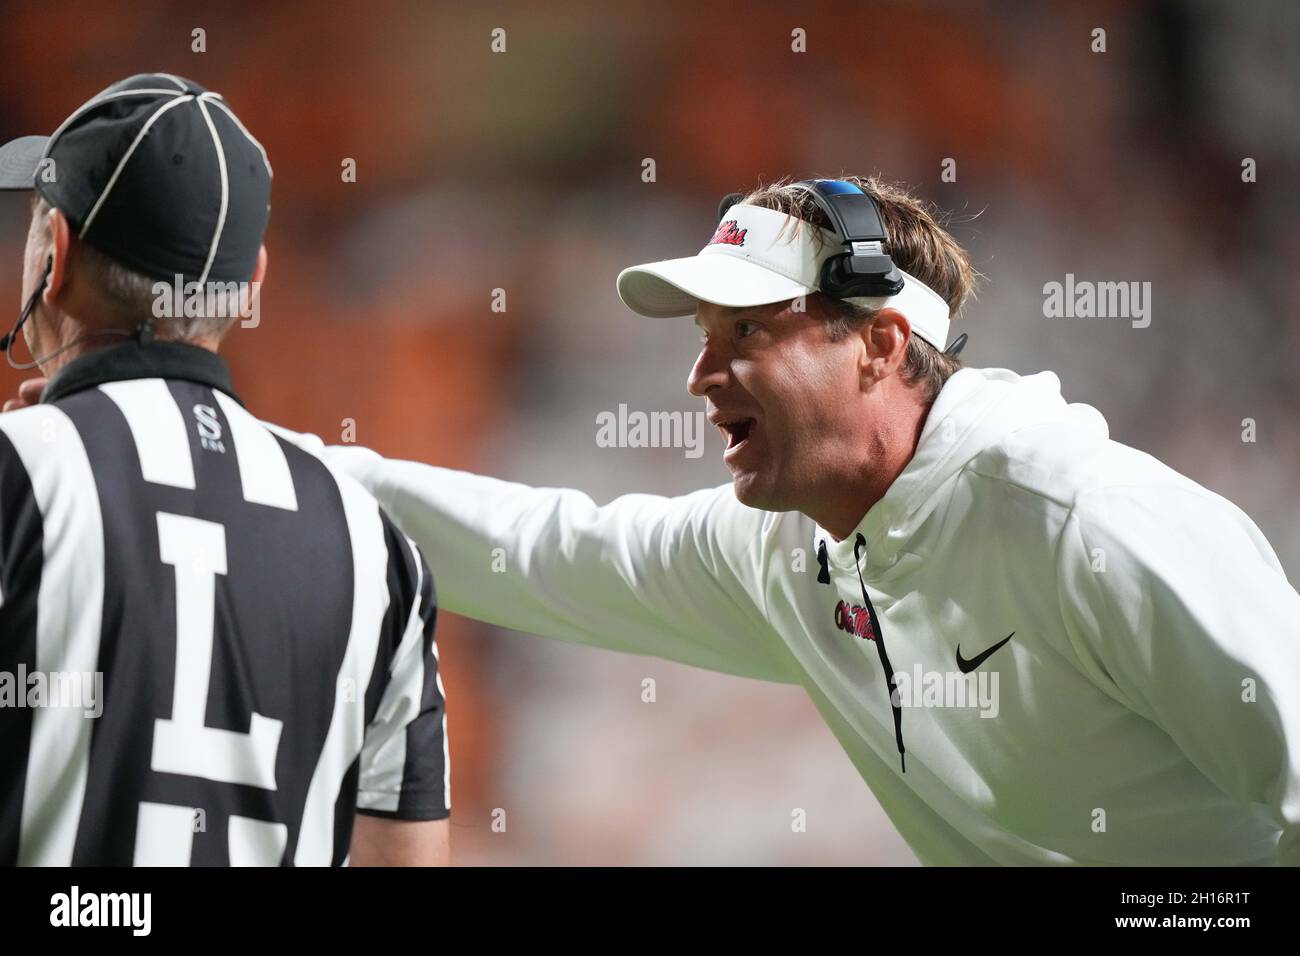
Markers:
853,214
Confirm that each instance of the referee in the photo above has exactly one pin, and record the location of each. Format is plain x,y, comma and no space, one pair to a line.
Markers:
213,649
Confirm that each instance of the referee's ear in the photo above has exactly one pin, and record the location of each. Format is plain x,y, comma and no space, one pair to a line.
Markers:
259,276
259,270
59,252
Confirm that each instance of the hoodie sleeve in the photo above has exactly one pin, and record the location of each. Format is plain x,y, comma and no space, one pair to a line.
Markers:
674,578
1180,607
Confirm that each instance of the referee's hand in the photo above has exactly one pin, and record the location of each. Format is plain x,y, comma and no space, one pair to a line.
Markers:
29,393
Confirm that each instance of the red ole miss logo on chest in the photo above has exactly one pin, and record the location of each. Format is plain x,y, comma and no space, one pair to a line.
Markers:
729,233
854,619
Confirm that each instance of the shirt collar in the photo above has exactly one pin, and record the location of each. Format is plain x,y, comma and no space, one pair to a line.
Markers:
168,360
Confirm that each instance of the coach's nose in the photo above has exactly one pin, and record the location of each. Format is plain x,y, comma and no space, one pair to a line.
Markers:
711,370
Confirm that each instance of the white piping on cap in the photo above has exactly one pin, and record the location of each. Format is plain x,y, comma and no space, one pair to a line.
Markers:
96,101
251,138
175,79
225,187
179,99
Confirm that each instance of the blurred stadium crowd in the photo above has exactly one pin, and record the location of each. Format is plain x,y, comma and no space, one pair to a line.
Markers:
522,171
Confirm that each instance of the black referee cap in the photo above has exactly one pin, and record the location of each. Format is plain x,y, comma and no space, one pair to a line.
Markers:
157,173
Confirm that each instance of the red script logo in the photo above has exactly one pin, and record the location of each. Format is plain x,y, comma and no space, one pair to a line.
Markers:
729,233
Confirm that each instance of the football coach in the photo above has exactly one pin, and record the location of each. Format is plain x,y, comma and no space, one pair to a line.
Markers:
213,649
1037,645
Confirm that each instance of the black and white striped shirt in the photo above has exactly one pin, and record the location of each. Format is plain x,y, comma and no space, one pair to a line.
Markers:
213,649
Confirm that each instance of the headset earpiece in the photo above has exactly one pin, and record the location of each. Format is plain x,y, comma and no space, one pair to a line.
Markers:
728,201
8,339
866,269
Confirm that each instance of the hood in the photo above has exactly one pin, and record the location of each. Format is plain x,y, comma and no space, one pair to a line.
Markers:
976,409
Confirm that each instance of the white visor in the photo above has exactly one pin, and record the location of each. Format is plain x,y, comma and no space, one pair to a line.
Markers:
757,257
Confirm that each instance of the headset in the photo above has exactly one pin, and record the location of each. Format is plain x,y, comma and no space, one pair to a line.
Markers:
866,270
7,341
144,331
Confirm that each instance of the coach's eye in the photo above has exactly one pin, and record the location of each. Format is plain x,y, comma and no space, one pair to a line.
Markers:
745,329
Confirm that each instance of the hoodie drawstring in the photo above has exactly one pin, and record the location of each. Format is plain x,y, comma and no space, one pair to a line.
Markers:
894,702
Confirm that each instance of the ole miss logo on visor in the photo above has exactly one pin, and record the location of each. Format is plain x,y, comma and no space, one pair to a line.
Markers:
729,233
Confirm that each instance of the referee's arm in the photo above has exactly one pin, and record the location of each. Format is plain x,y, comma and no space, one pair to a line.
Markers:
404,785
380,842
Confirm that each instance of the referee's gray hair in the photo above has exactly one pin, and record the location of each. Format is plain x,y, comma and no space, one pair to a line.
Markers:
134,295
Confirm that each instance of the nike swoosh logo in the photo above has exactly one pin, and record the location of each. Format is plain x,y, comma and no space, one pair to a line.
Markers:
966,666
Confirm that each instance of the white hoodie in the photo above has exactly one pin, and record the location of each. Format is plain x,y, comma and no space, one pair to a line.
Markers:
1146,710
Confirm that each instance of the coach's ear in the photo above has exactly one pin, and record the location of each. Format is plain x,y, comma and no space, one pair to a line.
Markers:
885,337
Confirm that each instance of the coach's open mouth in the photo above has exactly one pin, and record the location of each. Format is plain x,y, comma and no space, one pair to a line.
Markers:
736,431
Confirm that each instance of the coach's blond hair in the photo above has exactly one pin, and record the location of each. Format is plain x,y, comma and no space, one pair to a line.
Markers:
918,244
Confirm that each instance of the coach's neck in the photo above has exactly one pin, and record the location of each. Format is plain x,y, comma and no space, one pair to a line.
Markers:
884,452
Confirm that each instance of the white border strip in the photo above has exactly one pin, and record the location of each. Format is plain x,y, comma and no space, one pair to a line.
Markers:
157,427
264,474
67,631
346,734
